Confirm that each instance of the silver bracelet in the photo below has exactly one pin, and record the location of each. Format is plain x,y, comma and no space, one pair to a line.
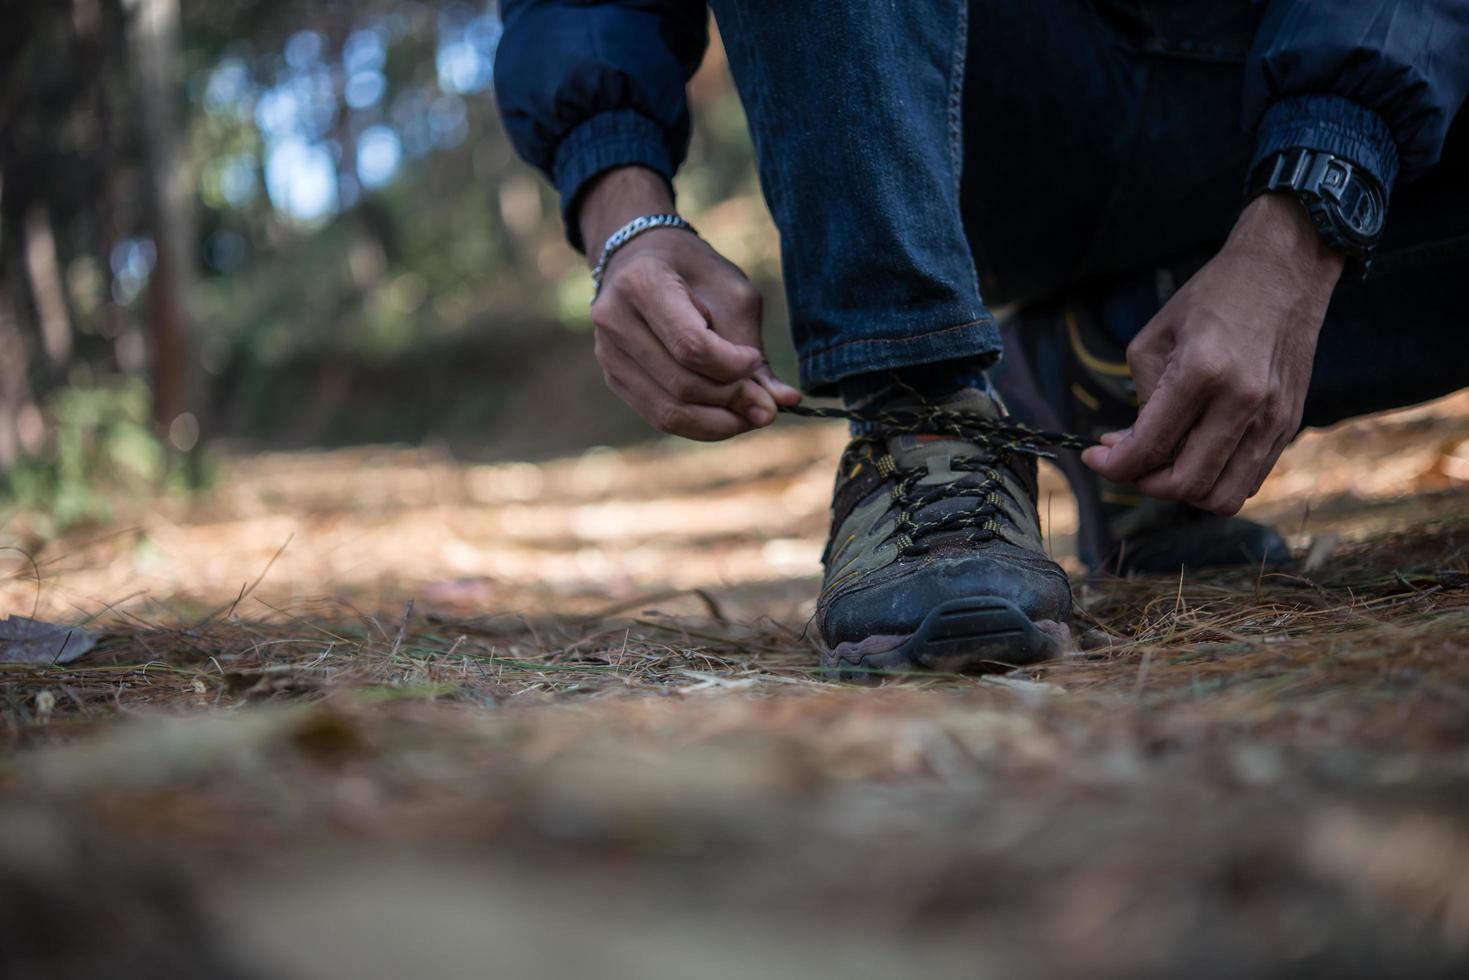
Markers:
627,233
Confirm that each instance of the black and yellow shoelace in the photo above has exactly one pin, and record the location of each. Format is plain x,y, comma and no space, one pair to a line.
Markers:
938,421
998,439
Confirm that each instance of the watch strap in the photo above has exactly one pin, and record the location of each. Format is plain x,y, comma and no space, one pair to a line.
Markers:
1342,201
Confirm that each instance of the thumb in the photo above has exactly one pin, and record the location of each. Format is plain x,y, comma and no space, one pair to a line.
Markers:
1147,356
1150,442
783,393
743,329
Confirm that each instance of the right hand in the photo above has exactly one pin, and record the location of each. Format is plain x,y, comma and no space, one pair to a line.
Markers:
677,324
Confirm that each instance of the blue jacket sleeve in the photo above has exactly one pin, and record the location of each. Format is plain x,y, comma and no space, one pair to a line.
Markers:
587,85
1378,82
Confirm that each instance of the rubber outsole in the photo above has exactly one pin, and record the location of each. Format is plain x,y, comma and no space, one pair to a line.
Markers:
962,636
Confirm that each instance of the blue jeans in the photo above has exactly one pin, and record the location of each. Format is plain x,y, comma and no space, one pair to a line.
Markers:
920,155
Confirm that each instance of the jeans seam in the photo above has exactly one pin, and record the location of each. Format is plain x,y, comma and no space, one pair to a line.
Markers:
823,369
956,96
905,338
956,131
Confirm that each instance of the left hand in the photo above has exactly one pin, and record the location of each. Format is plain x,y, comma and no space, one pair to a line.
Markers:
1222,370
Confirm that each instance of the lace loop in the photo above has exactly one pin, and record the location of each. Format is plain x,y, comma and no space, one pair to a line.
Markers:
999,441
939,421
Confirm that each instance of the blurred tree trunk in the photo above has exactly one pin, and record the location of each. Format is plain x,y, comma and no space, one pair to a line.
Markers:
15,392
47,289
158,66
101,41
15,389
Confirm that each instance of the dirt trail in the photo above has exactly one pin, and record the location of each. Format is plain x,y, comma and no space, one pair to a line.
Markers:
596,743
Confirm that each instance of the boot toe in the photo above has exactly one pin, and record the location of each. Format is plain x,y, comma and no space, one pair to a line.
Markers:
897,603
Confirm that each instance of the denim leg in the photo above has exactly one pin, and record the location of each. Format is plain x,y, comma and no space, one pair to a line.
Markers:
855,112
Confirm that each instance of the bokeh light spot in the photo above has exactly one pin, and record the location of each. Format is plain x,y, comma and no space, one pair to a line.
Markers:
364,89
379,153
301,179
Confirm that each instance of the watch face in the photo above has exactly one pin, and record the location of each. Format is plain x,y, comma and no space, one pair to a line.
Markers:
1362,214
1349,198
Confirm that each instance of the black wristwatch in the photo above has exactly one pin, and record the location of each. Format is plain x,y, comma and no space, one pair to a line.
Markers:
1345,203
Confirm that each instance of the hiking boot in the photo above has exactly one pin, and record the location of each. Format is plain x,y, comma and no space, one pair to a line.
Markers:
1061,372
936,559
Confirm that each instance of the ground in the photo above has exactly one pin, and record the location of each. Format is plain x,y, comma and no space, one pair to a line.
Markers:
380,714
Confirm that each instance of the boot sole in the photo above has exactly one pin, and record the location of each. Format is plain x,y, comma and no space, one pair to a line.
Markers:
984,634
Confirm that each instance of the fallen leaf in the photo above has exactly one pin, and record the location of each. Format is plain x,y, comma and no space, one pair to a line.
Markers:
30,641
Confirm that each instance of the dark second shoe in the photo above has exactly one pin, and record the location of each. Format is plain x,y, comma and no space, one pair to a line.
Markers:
936,559
1061,372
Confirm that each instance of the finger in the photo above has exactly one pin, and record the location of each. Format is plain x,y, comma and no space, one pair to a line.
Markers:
783,393
1237,481
659,410
1150,443
746,397
1206,452
620,326
666,305
735,316
1147,356
637,343
733,307
1271,458
699,422
1146,368
754,403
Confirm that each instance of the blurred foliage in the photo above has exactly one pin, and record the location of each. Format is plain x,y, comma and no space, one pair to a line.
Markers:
357,217
103,449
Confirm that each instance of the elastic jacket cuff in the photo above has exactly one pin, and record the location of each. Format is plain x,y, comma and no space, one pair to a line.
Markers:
618,138
1332,124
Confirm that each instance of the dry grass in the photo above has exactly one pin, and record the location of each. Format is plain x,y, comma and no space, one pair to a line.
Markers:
621,726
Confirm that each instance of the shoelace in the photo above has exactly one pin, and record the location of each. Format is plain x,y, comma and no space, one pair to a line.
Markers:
935,420
999,440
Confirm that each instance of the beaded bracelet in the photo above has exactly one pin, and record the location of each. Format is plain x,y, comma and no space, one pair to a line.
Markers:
627,233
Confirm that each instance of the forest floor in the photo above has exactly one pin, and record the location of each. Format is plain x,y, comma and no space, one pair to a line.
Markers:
376,713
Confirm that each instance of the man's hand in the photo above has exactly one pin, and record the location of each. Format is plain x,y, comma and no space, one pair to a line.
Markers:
678,326
1222,370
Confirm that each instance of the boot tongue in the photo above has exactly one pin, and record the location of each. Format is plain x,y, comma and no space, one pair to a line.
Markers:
913,450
